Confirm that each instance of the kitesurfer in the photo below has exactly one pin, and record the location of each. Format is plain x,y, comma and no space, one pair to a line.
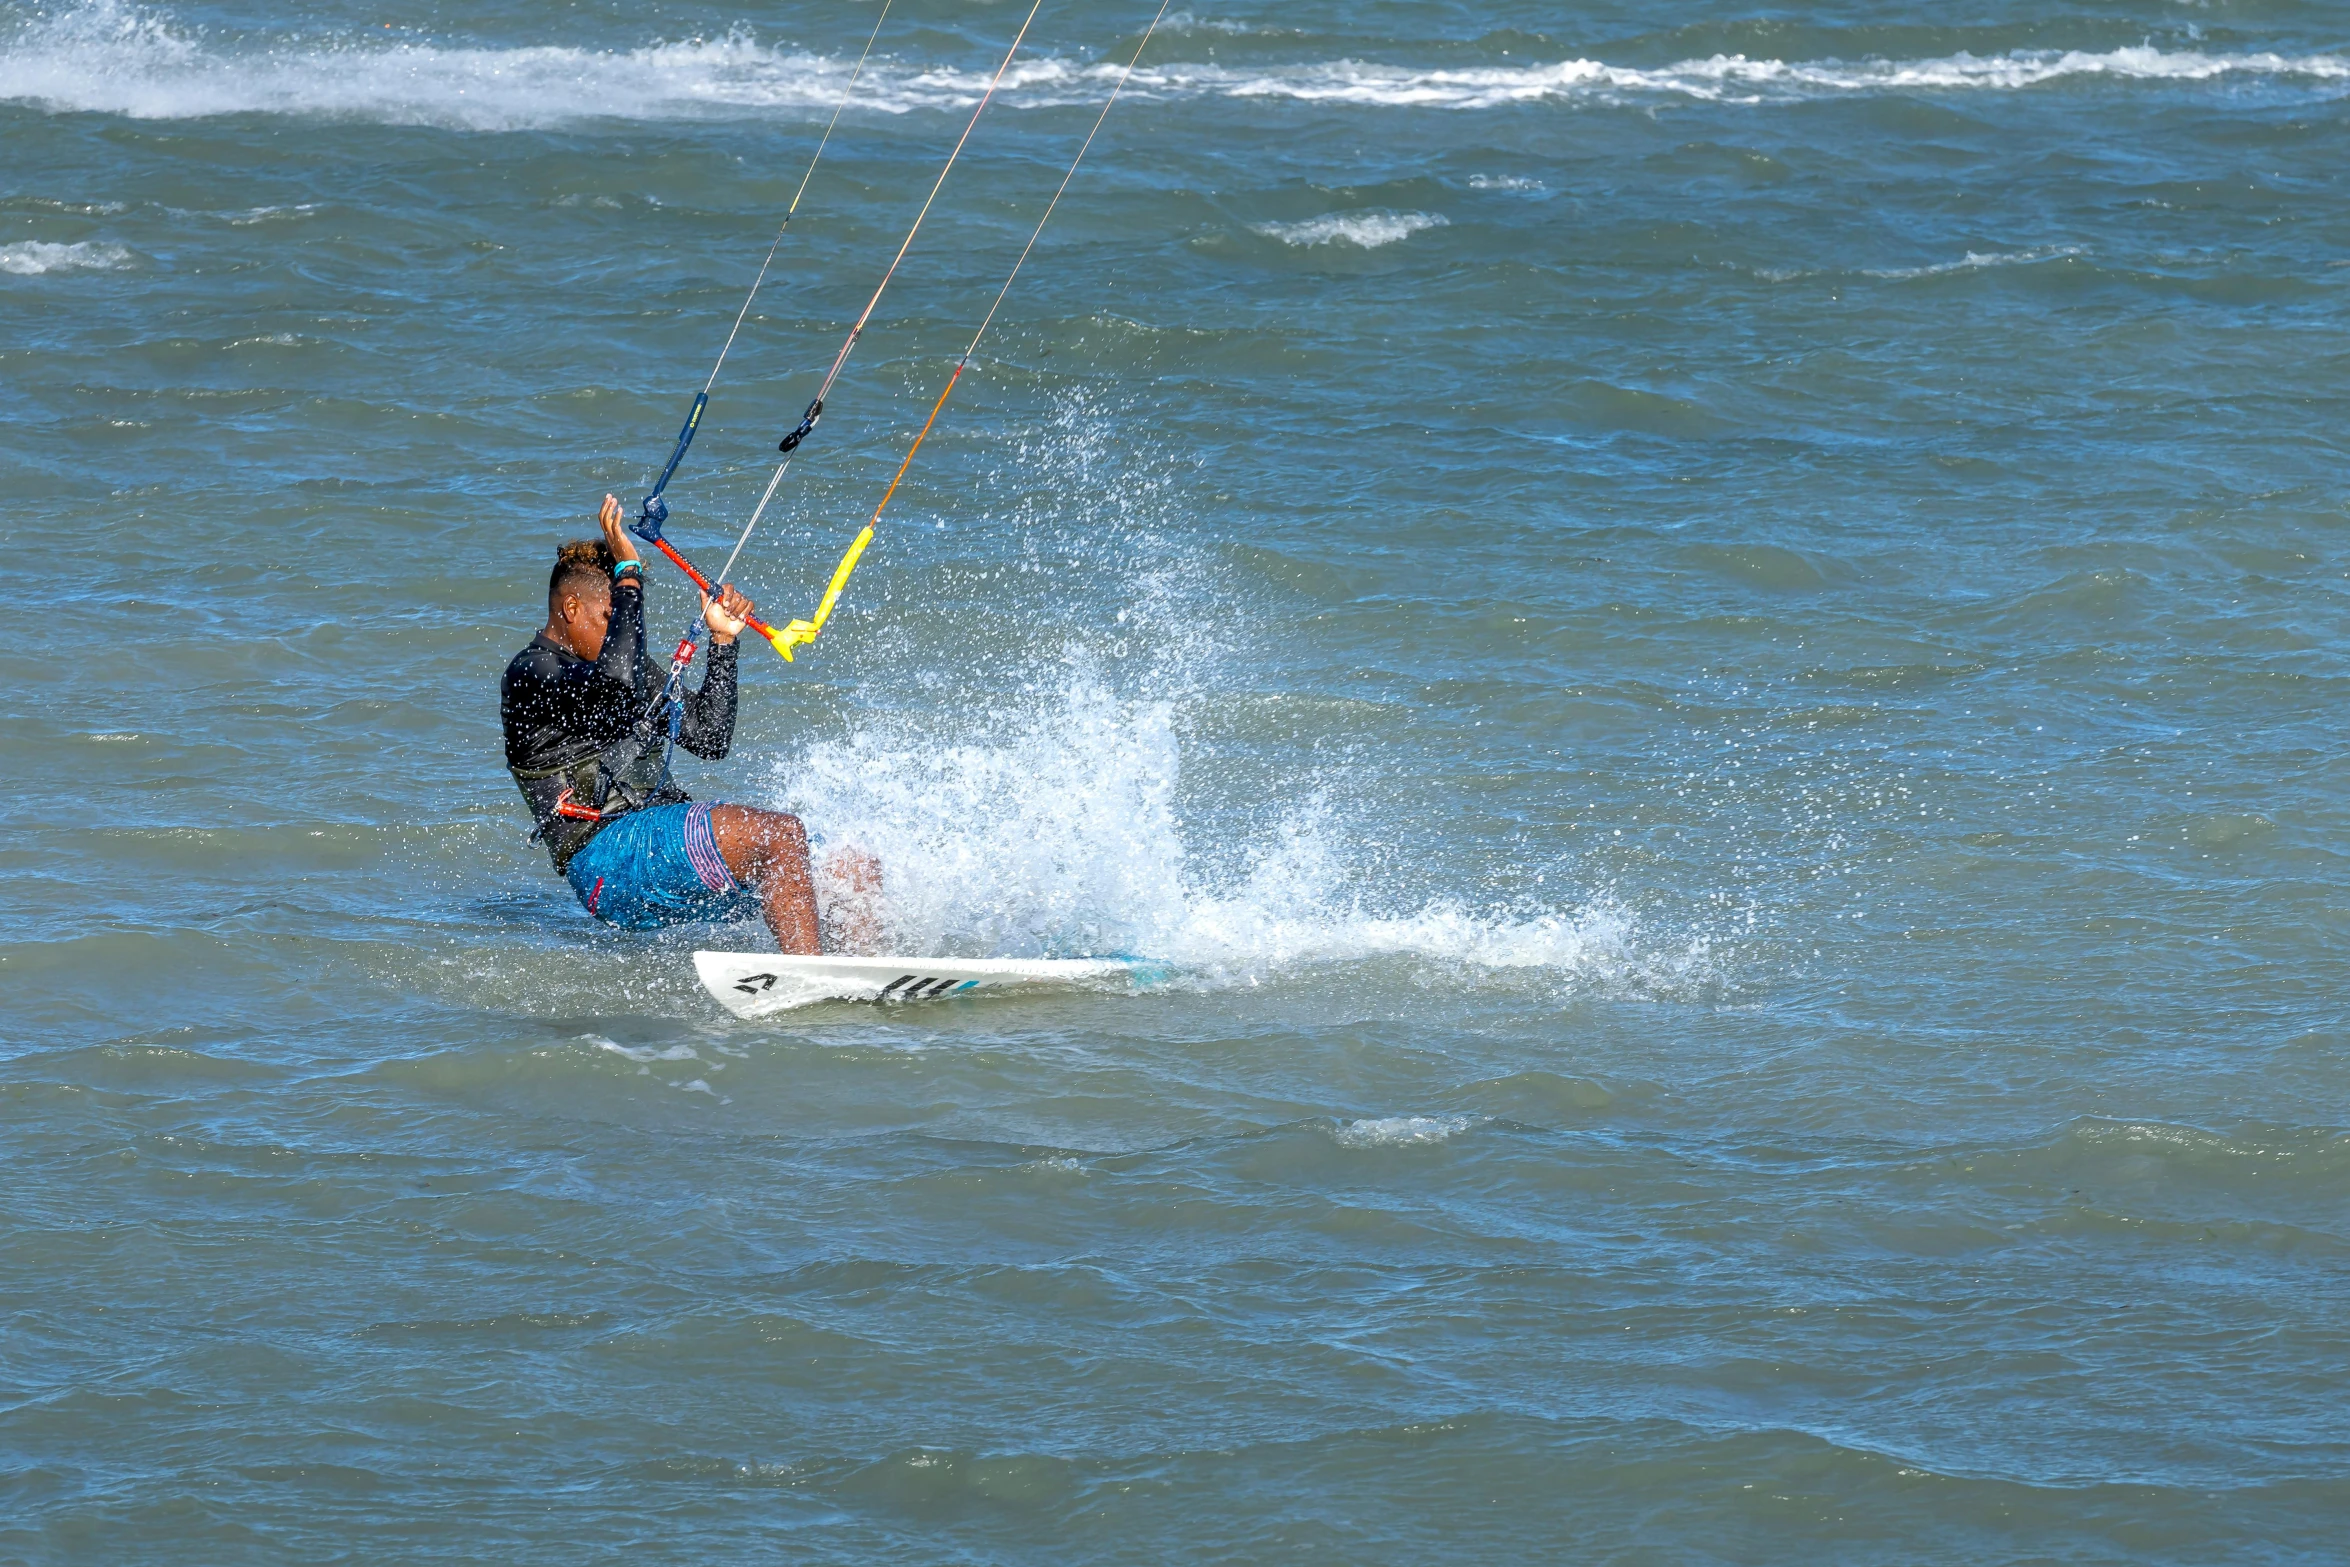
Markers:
585,714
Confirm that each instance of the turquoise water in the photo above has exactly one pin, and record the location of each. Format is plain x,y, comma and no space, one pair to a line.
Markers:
1710,638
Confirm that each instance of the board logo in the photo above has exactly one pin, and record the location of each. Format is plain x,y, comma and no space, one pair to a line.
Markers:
921,987
752,984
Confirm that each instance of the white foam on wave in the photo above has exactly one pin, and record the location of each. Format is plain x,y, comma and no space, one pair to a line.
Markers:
1719,78
1053,827
252,216
111,57
1402,1131
1368,230
2009,72
647,1057
642,1055
33,257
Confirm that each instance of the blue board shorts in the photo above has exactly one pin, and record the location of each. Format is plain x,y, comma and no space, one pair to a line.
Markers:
655,867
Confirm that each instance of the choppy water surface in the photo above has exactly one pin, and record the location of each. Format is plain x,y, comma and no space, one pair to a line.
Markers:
1711,635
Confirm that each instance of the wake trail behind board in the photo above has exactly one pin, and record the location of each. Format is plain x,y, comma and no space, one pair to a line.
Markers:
758,984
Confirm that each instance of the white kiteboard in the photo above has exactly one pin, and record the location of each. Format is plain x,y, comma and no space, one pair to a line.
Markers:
756,984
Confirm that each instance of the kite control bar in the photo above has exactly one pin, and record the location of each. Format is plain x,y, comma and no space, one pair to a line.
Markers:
782,641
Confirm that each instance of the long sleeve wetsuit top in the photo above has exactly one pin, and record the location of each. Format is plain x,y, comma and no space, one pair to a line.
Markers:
561,711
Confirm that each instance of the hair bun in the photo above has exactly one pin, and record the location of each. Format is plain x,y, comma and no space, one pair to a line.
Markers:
594,554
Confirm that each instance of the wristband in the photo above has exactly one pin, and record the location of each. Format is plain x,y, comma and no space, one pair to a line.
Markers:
621,567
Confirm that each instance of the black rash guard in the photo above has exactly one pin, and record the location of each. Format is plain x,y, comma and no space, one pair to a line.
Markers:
561,711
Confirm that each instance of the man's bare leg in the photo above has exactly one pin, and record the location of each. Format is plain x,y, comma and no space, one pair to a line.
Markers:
768,853
852,911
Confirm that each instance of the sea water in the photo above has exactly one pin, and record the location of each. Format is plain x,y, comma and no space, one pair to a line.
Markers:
1709,638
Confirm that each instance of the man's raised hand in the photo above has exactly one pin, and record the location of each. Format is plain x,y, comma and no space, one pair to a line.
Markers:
616,537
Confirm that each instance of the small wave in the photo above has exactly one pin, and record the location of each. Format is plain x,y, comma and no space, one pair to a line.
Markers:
1369,230
1402,1131
77,209
1516,182
2319,1149
1980,258
647,1057
642,1055
2188,1167
254,215
1182,23
110,57
33,257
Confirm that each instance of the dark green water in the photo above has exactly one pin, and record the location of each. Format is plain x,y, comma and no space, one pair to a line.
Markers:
1713,637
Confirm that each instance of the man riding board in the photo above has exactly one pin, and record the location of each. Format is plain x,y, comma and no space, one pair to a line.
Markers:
586,718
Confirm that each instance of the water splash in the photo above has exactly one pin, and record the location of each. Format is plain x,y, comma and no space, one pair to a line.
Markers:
1061,825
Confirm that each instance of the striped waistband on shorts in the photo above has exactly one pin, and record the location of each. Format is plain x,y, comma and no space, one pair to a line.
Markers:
701,847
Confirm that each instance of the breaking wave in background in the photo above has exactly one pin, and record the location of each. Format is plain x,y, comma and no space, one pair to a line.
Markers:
32,258
114,58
